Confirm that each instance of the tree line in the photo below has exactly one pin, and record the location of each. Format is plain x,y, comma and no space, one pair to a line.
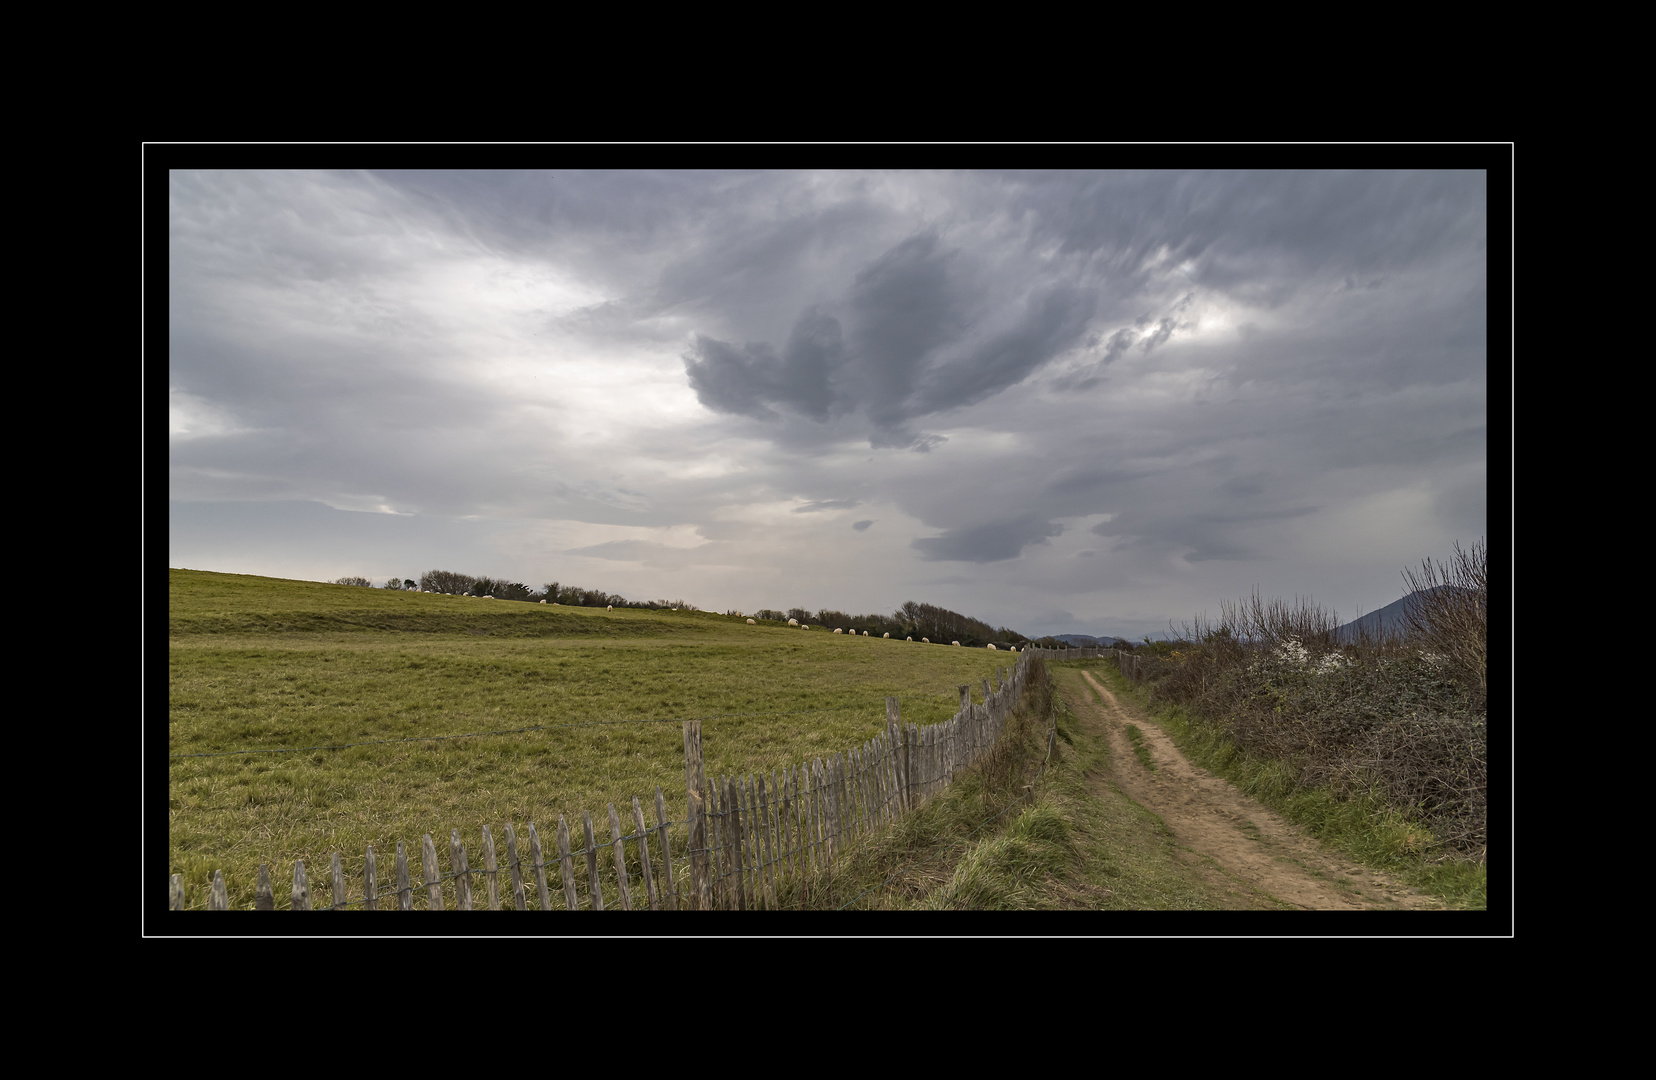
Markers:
913,619
457,584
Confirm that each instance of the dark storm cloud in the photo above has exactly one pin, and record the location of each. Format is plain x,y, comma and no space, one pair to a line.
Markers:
914,335
993,542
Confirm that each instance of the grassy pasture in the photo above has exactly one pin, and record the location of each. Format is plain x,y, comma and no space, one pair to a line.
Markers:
265,664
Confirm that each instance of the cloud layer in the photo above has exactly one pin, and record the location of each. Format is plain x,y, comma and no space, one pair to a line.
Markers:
1118,397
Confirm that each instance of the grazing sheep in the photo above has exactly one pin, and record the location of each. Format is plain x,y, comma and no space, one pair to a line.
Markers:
865,633
610,608
840,630
927,640
908,639
752,623
885,635
793,622
804,627
991,646
954,643
543,601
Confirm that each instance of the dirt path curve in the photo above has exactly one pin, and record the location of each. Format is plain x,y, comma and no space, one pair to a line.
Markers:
1254,856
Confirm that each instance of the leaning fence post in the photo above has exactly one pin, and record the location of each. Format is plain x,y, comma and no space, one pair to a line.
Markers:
462,875
217,900
695,787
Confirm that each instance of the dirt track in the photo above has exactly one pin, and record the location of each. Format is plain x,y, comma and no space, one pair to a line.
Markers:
1254,857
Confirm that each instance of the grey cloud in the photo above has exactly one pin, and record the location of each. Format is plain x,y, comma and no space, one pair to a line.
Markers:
826,504
992,542
861,525
914,335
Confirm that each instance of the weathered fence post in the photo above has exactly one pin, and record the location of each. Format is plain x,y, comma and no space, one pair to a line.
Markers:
405,889
695,786
491,871
338,884
899,756
433,878
217,900
301,888
620,859
370,884
568,865
593,886
666,850
644,855
462,875
264,899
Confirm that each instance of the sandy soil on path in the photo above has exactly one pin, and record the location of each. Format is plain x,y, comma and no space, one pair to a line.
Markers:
1253,856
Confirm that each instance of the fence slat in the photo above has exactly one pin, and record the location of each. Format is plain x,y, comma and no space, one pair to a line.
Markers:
301,888
175,893
666,850
513,864
644,855
733,785
766,832
491,870
264,899
536,857
405,888
338,884
433,877
620,859
217,899
370,882
462,875
567,863
695,786
593,886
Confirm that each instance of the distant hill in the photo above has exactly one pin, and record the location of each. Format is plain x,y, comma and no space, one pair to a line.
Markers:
1392,620
1086,640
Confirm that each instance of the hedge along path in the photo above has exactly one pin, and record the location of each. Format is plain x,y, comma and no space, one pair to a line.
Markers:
1270,860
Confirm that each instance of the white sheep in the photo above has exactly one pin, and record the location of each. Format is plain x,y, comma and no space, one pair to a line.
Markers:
752,623
610,608
840,630
910,638
927,640
793,622
865,633
954,643
543,601
804,627
885,635
991,646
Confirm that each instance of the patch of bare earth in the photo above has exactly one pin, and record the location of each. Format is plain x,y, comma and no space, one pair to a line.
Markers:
1251,855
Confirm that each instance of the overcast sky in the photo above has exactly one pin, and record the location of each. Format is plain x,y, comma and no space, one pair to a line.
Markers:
1082,402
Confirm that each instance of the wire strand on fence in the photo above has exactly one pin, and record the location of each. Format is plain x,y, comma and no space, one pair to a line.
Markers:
536,727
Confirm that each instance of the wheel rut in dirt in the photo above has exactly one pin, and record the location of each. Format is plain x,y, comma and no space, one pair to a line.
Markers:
1251,854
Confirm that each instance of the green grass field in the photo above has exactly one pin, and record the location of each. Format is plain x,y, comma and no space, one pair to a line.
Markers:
266,664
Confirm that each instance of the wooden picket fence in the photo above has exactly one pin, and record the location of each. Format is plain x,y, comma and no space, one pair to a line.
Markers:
744,836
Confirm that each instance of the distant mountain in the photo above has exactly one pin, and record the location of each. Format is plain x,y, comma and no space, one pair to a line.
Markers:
1086,640
1391,620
